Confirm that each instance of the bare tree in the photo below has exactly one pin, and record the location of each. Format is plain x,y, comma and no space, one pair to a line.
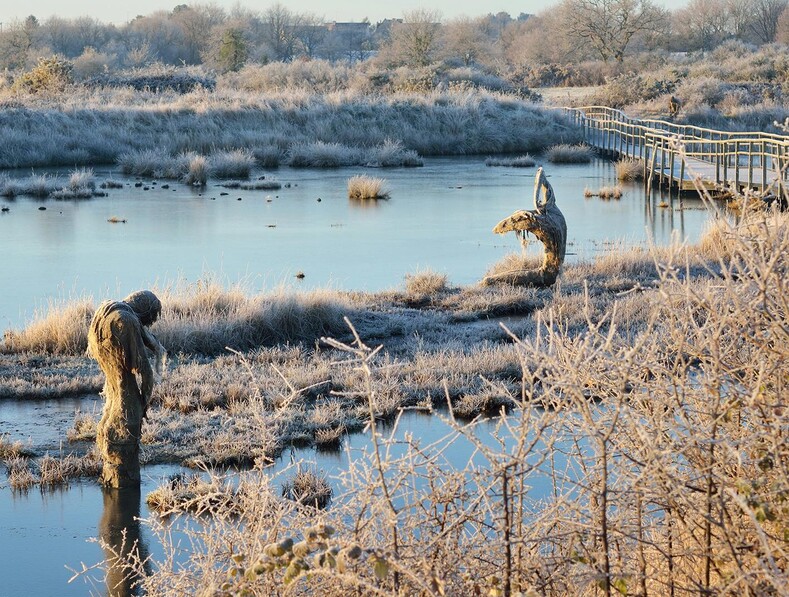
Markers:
740,14
765,18
196,23
414,42
705,21
159,34
16,41
465,39
280,31
609,26
782,30
311,33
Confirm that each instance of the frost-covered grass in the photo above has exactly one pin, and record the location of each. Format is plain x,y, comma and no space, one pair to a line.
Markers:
253,185
231,164
569,154
523,161
80,184
88,126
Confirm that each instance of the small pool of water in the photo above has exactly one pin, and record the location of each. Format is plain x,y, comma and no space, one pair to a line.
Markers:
44,535
439,217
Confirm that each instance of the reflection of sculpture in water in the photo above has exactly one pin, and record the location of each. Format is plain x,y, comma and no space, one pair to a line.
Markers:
117,340
119,532
546,222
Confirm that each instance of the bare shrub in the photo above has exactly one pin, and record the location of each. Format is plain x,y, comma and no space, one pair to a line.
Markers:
367,187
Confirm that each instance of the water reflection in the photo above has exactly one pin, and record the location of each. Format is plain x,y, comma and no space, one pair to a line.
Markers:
121,539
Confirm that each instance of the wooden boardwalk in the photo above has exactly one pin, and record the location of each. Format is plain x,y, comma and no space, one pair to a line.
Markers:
679,156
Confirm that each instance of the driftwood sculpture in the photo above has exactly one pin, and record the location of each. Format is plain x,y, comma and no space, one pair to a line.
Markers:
117,339
546,222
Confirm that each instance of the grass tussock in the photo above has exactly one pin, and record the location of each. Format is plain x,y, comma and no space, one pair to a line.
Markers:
426,283
604,193
308,488
367,187
231,164
523,161
196,171
253,185
629,169
84,428
569,154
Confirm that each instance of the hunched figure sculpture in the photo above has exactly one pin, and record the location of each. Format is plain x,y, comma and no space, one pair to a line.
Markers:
117,339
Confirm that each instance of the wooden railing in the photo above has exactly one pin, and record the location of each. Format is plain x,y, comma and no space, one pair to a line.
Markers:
744,159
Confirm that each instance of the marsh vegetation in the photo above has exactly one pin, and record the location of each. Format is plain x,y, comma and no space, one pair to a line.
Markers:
639,403
635,389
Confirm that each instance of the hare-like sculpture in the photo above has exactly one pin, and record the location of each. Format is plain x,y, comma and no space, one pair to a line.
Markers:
546,222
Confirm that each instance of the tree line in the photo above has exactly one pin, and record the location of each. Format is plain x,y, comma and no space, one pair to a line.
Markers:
225,40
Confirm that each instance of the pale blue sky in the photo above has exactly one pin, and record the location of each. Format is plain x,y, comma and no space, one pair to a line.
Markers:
331,10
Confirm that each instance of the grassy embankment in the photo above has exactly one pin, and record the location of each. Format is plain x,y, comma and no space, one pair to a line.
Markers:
104,126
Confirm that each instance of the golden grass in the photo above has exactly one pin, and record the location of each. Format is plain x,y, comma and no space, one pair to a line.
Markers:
426,283
629,169
604,193
367,187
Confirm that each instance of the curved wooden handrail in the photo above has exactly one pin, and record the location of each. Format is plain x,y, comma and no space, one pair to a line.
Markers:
752,159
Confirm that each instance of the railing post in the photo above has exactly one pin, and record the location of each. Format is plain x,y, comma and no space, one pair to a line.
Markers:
763,162
736,165
750,164
671,169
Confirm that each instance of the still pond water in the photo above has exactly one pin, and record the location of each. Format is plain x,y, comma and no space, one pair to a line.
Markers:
439,217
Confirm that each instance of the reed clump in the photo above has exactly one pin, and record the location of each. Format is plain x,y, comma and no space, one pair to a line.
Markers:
629,169
614,192
367,187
